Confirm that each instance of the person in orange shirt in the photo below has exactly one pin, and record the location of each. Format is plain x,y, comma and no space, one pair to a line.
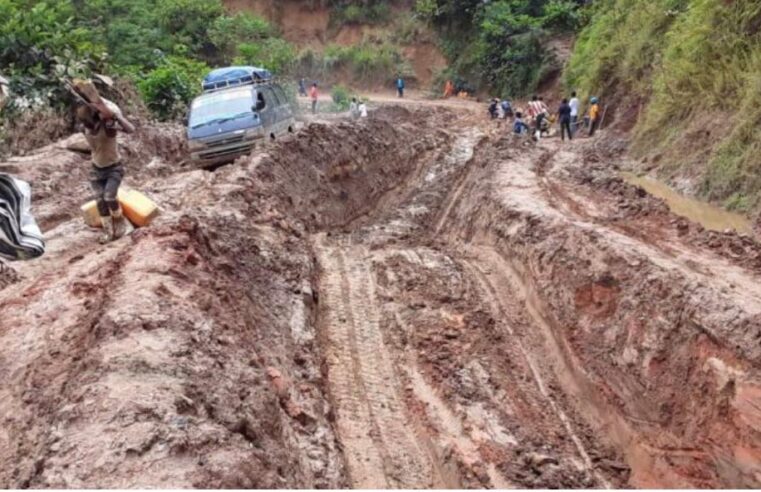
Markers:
314,95
594,115
448,89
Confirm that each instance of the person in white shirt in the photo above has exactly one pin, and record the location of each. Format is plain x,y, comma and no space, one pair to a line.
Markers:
354,108
574,103
362,110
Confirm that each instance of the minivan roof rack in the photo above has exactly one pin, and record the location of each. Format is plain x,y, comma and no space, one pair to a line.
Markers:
224,78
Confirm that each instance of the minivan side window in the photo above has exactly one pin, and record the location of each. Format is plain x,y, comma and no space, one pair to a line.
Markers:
281,95
271,96
261,102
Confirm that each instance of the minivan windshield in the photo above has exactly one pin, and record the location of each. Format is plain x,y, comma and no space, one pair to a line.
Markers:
220,107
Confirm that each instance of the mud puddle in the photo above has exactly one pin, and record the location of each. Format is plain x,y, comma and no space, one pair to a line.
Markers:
709,216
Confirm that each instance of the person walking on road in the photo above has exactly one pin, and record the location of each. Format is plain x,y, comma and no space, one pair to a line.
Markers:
574,103
102,119
302,88
507,110
537,112
449,90
354,108
400,86
5,93
519,127
314,95
564,115
594,115
493,111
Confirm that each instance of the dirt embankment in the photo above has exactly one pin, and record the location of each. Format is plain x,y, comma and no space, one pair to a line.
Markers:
185,354
650,324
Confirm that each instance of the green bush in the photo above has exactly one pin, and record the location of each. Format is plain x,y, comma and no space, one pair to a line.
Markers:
274,54
228,32
40,44
367,60
361,13
621,46
341,97
561,15
696,63
189,21
44,41
170,87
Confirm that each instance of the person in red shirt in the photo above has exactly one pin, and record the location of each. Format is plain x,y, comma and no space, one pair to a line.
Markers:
313,94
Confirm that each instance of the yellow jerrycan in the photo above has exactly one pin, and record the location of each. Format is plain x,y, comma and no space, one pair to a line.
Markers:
138,208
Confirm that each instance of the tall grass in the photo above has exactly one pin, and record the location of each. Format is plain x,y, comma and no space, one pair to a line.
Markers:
621,47
697,63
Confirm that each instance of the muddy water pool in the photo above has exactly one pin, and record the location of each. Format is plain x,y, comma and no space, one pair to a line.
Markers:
709,216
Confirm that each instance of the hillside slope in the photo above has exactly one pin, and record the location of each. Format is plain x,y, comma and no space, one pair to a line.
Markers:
685,74
318,29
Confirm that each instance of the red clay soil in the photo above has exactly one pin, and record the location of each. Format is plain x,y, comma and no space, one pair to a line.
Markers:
183,355
654,335
382,303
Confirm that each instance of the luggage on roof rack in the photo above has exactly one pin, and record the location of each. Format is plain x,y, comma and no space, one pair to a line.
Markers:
222,78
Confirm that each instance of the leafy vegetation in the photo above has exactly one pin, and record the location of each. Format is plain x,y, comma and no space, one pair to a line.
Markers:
360,12
164,45
500,44
341,97
363,63
696,63
39,44
169,87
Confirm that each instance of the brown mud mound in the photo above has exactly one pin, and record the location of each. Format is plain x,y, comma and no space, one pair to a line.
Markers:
421,349
336,173
185,354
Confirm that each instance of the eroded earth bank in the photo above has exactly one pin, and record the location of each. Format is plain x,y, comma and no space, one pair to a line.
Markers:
388,303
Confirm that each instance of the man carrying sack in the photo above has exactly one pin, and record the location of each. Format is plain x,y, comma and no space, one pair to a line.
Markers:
102,120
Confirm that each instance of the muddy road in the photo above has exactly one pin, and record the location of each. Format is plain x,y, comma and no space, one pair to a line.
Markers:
383,304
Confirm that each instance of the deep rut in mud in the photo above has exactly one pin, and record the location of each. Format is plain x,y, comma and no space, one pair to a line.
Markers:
387,443
383,304
444,338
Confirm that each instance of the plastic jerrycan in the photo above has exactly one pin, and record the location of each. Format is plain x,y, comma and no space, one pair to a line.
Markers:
138,208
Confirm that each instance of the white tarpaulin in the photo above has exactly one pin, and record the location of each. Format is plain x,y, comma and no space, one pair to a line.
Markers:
20,237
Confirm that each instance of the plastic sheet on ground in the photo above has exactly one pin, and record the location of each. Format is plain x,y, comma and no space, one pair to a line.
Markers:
20,237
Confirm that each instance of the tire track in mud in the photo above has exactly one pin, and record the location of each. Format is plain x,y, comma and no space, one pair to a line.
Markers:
381,448
466,152
450,427
484,265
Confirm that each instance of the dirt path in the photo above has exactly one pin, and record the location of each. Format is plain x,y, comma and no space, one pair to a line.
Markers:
380,441
382,429
481,203
385,304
